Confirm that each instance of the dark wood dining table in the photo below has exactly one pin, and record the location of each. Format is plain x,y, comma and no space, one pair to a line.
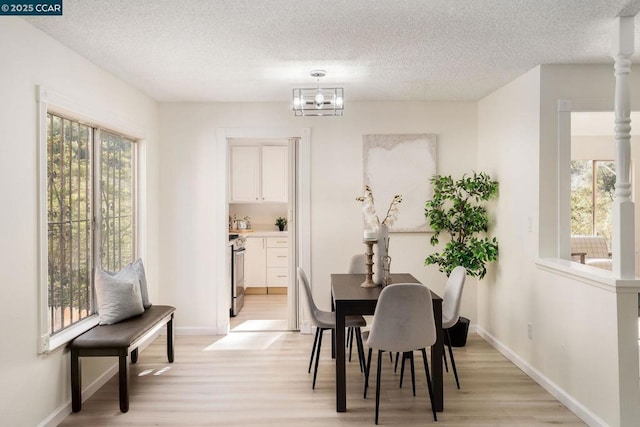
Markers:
349,298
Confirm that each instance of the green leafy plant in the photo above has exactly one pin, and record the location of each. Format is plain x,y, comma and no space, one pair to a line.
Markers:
281,223
457,210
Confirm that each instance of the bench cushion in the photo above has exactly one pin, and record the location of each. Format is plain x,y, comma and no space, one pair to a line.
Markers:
122,334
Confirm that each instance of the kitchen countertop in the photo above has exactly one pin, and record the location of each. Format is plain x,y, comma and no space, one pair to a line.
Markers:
262,232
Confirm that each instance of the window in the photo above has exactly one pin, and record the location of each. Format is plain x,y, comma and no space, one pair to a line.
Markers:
592,191
117,201
90,213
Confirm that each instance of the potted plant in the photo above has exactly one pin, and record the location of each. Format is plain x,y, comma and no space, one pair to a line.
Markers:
281,223
456,209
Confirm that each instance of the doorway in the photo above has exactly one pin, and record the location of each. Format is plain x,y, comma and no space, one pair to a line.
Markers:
264,310
260,203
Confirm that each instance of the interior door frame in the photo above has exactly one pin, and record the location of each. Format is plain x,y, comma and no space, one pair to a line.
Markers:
300,232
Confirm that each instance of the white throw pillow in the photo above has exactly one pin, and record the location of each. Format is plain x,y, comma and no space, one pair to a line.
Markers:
142,278
118,295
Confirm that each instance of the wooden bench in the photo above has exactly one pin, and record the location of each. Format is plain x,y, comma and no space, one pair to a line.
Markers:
118,340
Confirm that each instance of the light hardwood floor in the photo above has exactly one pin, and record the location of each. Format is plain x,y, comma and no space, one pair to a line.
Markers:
262,312
253,378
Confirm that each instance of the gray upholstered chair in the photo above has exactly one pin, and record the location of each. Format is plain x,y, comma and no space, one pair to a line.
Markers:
356,265
325,320
451,309
403,322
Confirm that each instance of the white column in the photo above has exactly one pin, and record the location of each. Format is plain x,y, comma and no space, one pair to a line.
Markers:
624,231
623,210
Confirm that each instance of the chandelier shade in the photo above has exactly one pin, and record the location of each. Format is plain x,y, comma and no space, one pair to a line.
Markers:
318,101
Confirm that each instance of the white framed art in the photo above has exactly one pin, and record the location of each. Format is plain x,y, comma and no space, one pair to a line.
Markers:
401,164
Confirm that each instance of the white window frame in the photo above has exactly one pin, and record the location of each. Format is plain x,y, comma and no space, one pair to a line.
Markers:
594,184
51,102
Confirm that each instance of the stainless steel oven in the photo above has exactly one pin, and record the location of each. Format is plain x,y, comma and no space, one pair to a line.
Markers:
237,275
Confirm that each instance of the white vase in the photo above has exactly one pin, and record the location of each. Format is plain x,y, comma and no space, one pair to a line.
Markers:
378,271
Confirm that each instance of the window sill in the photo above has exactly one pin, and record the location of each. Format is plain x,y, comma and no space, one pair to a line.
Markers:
60,339
592,276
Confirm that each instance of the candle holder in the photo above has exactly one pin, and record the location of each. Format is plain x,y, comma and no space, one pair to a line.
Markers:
368,281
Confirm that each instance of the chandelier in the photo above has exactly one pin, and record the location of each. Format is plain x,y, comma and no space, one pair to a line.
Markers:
318,101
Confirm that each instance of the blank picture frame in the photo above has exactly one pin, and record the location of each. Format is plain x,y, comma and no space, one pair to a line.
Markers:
401,164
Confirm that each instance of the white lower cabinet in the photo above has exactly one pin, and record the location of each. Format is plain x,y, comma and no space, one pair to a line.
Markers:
278,276
267,262
277,262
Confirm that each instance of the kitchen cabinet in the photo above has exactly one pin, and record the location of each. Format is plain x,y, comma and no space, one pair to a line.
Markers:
255,263
267,263
277,262
259,173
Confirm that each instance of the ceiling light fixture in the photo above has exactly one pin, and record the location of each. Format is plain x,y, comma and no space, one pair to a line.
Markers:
318,101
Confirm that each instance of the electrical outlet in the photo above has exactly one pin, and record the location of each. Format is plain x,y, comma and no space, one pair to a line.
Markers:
530,224
44,343
530,330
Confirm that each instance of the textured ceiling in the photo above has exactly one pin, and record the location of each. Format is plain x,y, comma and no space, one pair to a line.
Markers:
252,50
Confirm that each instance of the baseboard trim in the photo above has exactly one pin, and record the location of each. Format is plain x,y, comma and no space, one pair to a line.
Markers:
63,411
255,291
556,391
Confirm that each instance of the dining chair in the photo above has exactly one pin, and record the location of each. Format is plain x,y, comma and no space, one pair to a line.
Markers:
450,315
403,322
451,310
323,321
357,266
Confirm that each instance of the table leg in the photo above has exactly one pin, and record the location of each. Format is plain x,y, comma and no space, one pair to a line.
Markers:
341,371
333,333
436,359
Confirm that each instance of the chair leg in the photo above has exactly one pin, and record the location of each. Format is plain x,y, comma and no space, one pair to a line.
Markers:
395,368
402,370
426,370
360,345
350,342
366,373
407,355
390,357
413,373
349,332
453,361
444,358
315,371
378,384
313,350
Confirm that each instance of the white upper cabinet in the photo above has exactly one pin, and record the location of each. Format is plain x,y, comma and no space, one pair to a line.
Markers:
245,174
259,174
275,168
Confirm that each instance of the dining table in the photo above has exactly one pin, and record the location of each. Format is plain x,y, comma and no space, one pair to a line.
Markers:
349,298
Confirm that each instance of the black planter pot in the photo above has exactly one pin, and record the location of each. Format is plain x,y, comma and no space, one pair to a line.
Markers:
458,333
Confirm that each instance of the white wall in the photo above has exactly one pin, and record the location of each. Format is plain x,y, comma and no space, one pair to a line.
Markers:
188,137
574,351
35,387
508,122
593,148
